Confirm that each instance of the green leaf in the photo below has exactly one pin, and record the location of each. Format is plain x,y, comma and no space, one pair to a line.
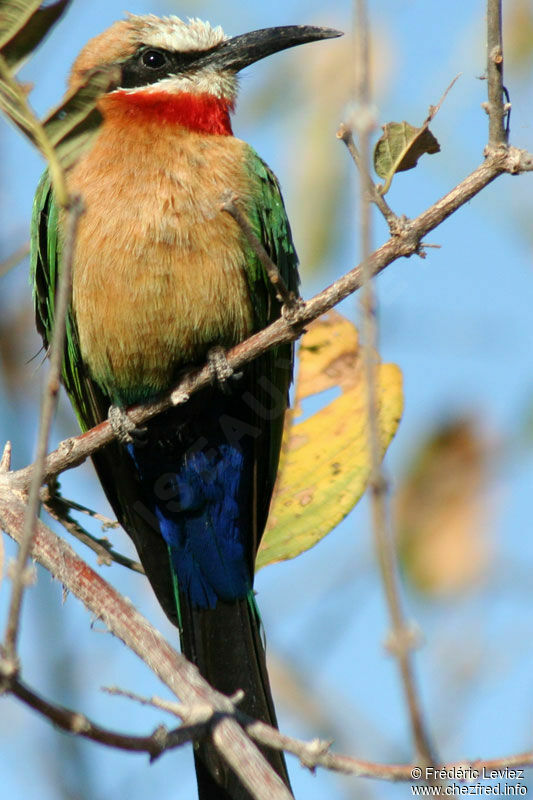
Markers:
13,16
27,38
325,464
402,144
399,149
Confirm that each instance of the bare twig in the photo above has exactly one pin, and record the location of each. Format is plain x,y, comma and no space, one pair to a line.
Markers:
79,725
58,509
72,504
287,298
48,406
345,134
495,89
14,259
381,523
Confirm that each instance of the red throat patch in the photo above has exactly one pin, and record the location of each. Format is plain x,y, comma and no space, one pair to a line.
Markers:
202,113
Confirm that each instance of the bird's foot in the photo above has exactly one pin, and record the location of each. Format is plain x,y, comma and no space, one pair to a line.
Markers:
218,365
126,431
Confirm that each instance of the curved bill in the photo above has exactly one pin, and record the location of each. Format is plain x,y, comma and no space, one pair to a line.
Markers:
241,51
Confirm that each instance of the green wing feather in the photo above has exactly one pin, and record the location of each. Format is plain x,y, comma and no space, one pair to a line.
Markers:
273,370
89,403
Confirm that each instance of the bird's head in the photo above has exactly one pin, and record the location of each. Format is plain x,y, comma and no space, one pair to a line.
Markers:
169,67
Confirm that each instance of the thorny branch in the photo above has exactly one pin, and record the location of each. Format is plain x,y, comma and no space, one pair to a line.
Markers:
121,619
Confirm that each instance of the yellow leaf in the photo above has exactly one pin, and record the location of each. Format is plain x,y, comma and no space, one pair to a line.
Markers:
325,465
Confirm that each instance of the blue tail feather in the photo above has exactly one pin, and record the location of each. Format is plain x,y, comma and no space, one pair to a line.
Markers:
201,498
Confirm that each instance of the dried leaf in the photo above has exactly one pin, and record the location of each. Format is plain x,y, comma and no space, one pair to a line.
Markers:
72,124
441,511
399,149
402,144
25,39
325,465
62,136
14,103
15,14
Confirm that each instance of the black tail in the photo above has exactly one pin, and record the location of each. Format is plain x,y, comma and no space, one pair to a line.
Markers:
225,644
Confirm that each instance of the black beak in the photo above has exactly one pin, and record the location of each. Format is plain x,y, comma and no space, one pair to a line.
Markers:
241,51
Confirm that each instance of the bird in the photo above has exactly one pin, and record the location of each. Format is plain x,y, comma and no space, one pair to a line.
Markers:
162,280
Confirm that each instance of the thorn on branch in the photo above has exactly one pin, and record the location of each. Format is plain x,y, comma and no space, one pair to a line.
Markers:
312,752
190,713
401,642
5,461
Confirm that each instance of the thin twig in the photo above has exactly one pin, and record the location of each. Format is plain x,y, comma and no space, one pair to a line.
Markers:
381,523
345,134
197,714
78,724
58,510
497,132
286,297
14,259
72,504
48,406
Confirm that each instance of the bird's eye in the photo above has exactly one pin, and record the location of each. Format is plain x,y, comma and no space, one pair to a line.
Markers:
154,59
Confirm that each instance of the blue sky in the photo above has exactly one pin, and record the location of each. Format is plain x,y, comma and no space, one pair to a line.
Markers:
457,323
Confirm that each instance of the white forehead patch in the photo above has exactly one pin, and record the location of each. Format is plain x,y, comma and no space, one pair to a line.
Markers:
171,33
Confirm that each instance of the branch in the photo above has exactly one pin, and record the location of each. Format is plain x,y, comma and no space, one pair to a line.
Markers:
125,622
311,754
58,508
289,300
14,259
73,451
495,89
78,724
344,133
400,640
48,406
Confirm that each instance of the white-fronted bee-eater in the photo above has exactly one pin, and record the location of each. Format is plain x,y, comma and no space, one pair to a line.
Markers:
162,277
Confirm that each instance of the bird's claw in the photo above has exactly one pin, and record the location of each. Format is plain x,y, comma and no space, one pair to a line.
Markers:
218,365
126,431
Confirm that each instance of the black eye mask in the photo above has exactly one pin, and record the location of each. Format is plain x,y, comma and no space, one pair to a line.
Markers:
152,64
